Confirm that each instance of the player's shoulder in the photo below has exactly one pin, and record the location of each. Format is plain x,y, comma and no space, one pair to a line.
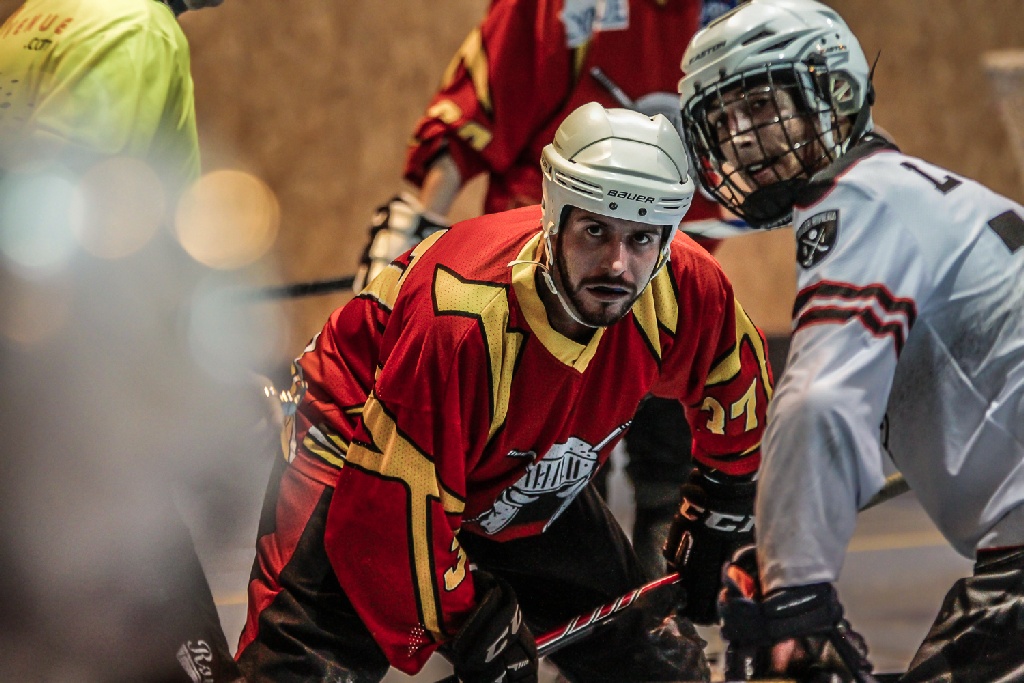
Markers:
516,220
117,21
687,251
112,14
863,170
475,253
489,238
148,18
693,267
445,287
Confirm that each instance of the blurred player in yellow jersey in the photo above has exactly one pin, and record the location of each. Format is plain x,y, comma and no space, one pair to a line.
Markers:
87,80
102,581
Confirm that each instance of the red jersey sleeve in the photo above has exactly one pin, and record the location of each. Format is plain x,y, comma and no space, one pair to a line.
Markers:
717,365
400,496
511,75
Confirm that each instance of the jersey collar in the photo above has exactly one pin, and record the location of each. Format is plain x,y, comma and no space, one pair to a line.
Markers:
567,351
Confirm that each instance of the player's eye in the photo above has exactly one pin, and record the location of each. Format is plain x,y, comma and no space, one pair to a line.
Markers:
718,122
644,239
759,103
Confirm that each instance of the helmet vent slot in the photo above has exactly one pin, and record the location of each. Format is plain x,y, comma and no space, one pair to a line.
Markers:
671,203
757,36
782,44
578,185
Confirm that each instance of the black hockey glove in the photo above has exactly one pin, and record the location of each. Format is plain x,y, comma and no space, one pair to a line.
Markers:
715,518
397,226
825,648
494,644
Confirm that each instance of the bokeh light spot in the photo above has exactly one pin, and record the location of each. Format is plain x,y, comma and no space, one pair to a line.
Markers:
37,209
124,203
227,219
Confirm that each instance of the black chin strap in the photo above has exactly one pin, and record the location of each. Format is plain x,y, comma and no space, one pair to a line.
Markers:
563,300
772,206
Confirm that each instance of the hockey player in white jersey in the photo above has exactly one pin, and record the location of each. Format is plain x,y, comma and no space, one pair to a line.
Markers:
908,337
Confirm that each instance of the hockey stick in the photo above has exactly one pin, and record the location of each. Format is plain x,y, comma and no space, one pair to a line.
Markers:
895,485
582,626
585,624
300,289
850,656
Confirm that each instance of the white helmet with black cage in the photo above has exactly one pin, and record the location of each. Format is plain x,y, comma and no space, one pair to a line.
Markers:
799,47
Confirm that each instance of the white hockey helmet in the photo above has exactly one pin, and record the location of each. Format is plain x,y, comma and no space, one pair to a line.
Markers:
801,45
618,163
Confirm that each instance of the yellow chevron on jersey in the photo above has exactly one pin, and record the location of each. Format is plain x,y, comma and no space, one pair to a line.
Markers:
729,366
385,287
472,56
406,463
658,306
488,303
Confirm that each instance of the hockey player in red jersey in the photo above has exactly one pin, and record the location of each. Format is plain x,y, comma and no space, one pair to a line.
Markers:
453,414
516,76
909,316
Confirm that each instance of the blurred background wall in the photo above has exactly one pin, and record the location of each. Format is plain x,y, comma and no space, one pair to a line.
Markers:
319,97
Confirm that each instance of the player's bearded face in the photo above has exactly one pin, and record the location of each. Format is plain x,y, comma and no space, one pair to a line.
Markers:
602,264
763,137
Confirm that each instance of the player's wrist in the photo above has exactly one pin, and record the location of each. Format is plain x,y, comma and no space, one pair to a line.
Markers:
717,485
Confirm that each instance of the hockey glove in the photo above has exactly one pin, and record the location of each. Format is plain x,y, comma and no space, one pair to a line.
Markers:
715,518
494,644
396,227
798,632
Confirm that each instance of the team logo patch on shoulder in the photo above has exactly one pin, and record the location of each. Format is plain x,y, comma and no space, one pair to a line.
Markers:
579,17
816,237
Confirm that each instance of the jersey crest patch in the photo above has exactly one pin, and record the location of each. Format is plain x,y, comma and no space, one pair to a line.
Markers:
816,237
549,484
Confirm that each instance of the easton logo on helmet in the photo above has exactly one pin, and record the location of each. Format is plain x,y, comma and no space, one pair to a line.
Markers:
622,194
704,53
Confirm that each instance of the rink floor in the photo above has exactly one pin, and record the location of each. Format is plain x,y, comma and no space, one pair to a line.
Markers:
896,573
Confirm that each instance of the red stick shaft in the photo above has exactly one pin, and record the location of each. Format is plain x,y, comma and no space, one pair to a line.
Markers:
585,623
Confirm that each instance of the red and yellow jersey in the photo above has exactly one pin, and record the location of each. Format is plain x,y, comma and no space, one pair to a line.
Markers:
529,64
451,406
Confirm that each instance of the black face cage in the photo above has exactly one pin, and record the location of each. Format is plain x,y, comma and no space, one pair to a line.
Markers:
768,204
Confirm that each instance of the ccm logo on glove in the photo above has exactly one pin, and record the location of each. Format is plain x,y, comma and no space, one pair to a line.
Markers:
494,644
715,516
719,521
501,643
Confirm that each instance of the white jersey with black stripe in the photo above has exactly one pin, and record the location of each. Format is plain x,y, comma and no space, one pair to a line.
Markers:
908,335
